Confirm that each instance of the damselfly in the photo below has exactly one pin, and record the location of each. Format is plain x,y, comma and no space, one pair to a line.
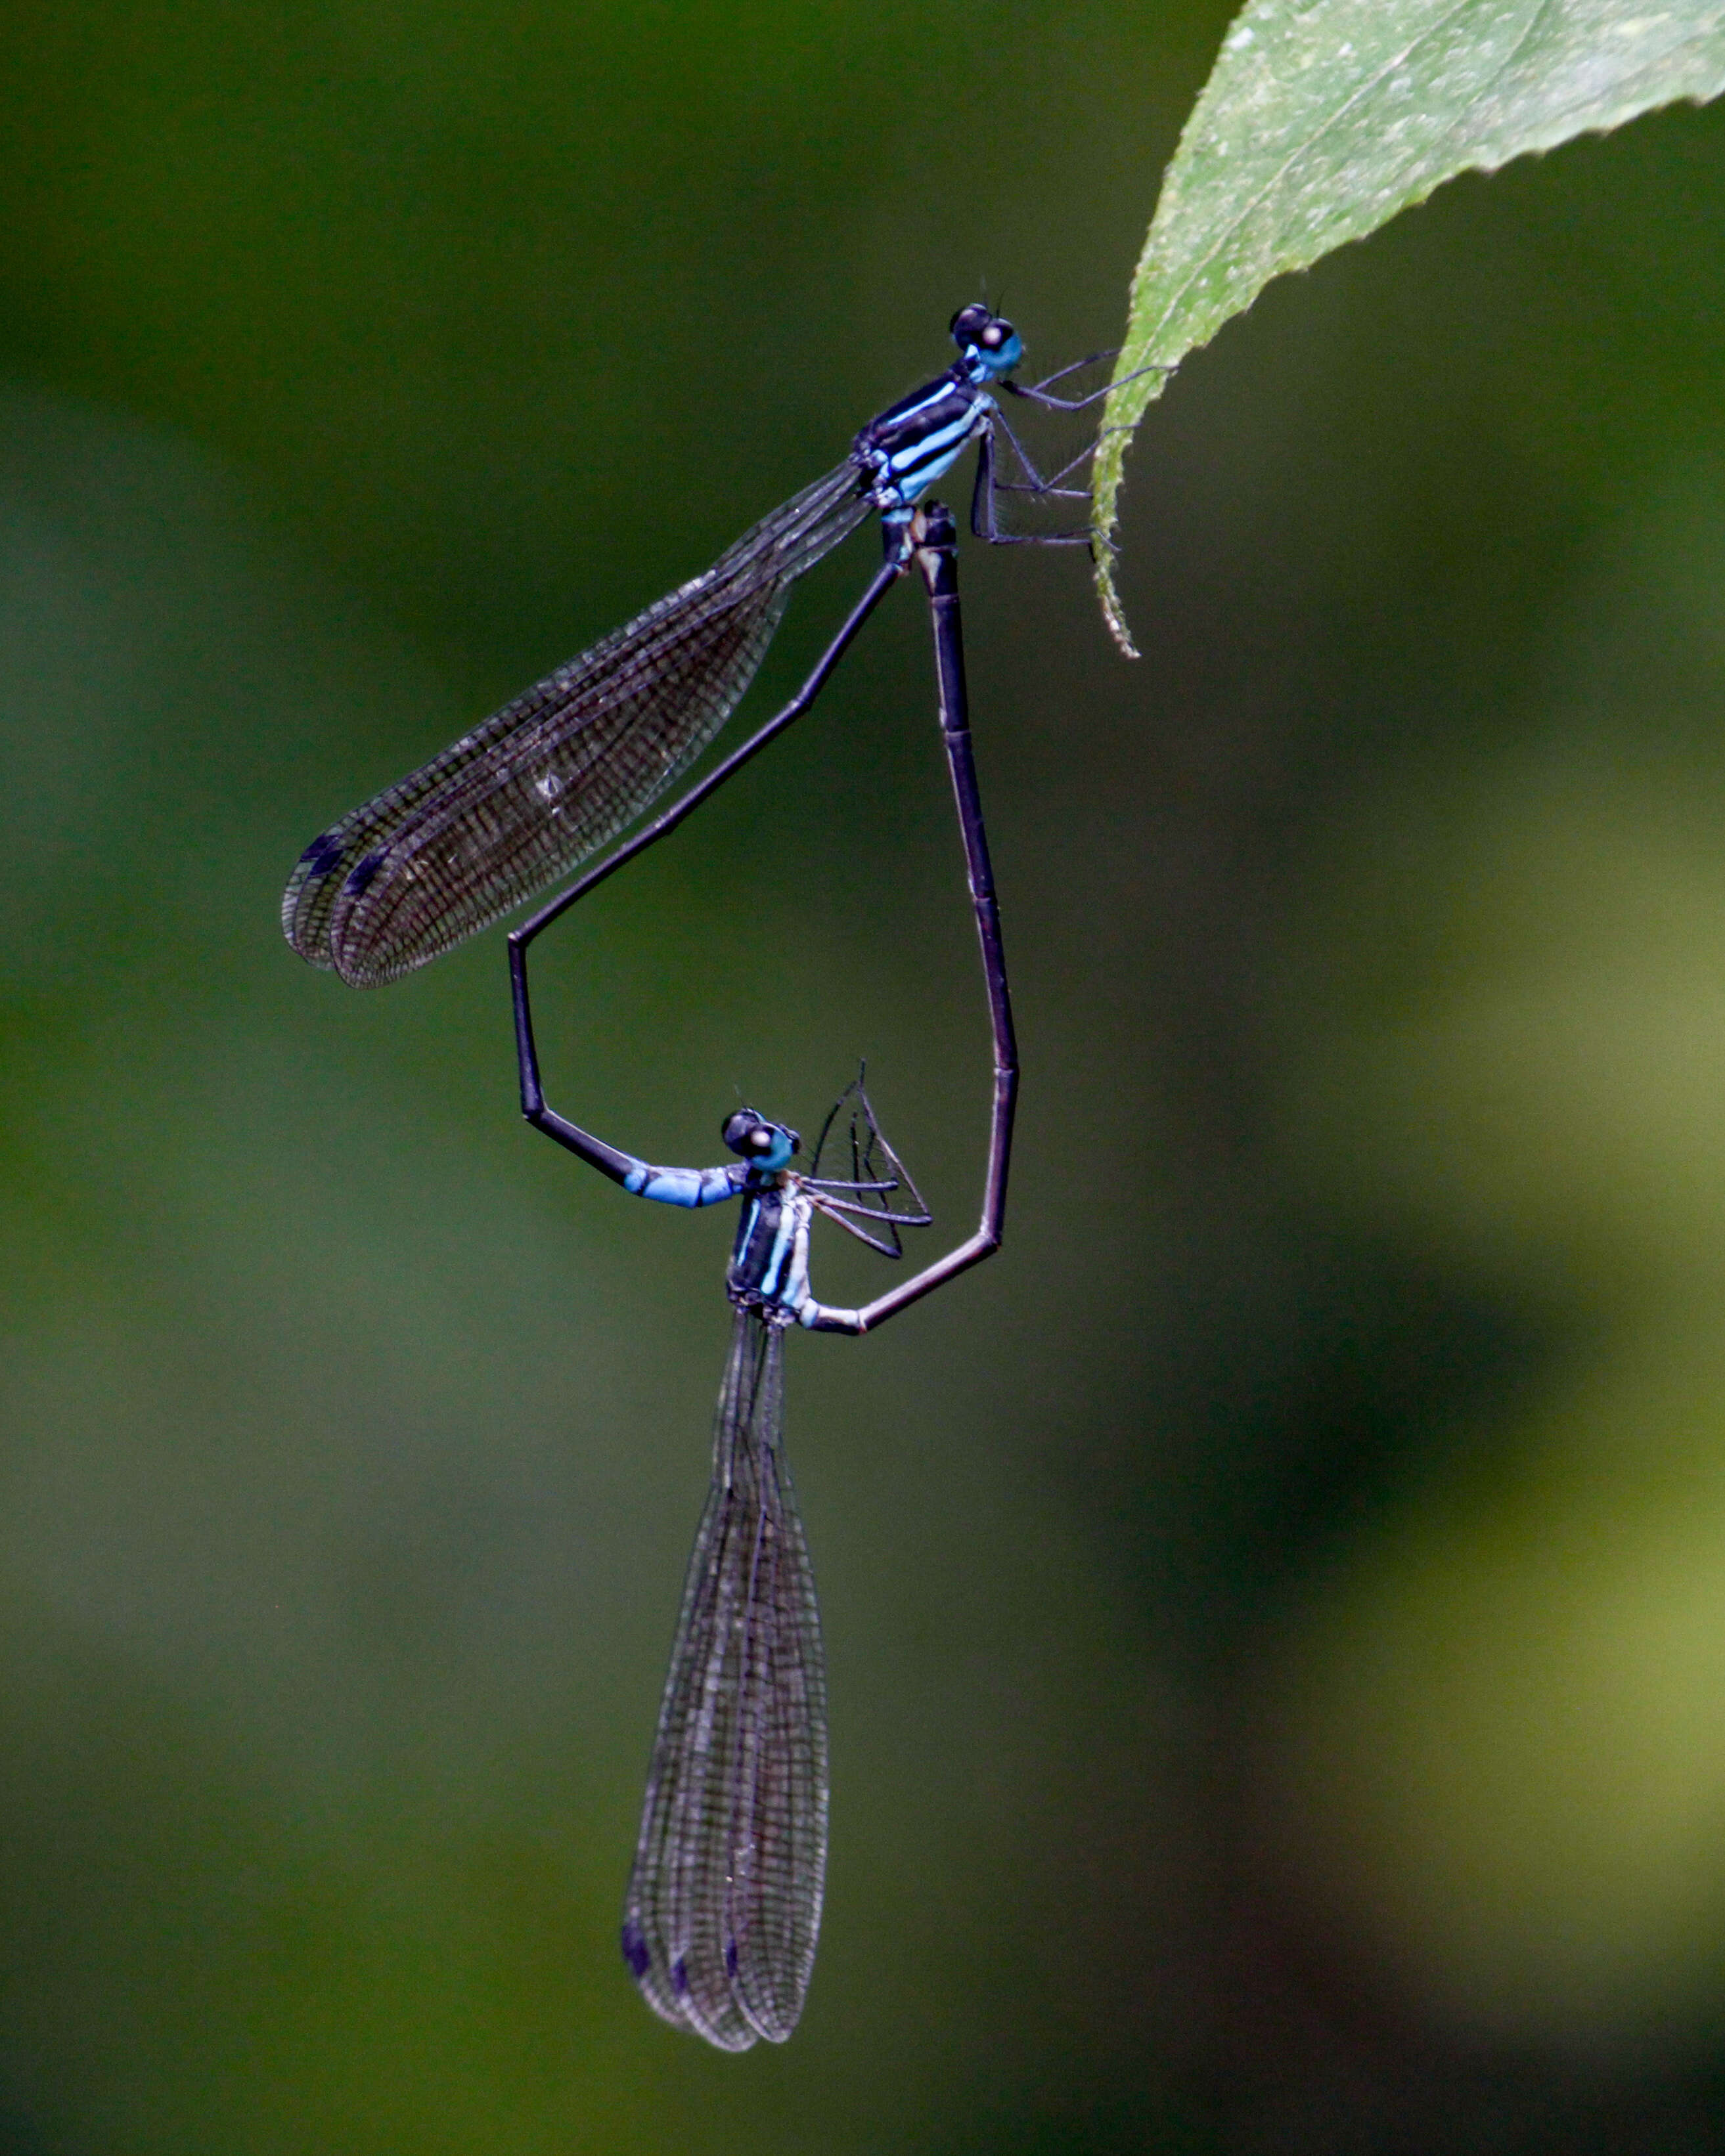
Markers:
723,1904
543,783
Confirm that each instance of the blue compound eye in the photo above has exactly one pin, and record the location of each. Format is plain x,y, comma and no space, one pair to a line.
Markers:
752,1138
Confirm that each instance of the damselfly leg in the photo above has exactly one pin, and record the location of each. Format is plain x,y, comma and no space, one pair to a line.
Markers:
1031,485
1037,391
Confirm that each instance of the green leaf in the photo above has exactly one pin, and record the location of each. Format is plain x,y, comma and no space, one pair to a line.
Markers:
1320,121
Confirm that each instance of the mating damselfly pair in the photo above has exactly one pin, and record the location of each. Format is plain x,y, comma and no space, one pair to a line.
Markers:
724,1903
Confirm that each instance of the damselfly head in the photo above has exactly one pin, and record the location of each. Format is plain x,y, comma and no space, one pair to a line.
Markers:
752,1138
988,341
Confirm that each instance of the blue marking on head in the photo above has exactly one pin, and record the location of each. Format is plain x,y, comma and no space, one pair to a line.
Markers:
320,856
635,1949
362,873
991,347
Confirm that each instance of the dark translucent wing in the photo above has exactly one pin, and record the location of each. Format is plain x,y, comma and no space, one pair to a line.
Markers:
547,780
724,1902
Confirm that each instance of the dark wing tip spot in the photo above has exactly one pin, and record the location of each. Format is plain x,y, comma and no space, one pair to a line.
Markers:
364,872
680,1977
320,856
730,1956
635,1950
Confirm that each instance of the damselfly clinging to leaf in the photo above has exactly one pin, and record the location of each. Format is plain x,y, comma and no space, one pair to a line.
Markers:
723,1904
544,782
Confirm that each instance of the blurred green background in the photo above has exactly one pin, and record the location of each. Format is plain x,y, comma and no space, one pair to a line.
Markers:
1276,1612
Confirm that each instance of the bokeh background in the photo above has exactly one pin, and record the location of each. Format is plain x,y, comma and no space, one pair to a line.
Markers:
1276,1612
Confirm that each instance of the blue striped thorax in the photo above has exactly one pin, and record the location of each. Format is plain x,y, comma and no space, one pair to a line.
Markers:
918,441
768,1270
769,1259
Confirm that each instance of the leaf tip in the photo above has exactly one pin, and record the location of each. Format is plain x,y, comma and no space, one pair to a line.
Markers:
1113,613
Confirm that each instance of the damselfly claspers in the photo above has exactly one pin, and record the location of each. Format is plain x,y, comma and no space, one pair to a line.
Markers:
543,783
